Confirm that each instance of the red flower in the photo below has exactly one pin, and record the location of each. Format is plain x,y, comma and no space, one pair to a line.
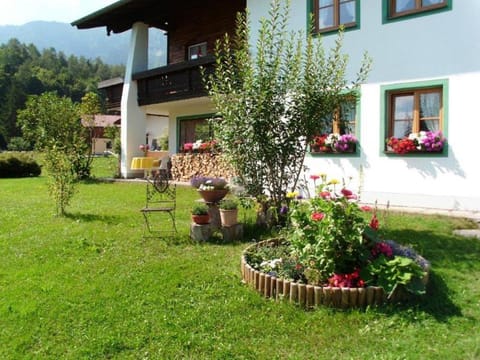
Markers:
366,208
374,224
314,177
346,192
325,194
316,216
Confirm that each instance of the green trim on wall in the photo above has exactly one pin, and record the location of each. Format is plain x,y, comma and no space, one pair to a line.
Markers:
387,19
311,6
384,89
179,119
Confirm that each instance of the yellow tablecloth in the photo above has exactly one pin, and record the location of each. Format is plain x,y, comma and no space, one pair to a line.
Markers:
141,163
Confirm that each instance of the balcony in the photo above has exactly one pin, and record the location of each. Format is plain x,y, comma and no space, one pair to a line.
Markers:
173,82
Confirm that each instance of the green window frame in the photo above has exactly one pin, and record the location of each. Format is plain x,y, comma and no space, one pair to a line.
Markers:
329,15
395,10
410,95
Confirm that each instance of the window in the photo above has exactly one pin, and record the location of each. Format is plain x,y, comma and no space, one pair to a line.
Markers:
414,111
338,132
407,7
197,51
415,118
193,129
330,14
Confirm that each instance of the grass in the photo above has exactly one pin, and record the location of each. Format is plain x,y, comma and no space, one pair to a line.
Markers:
89,286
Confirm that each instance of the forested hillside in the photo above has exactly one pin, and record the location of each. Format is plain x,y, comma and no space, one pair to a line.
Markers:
24,71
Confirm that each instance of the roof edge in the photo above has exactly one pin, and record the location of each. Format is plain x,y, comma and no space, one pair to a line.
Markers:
102,11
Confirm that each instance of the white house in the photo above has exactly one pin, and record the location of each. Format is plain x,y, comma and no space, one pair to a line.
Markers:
424,77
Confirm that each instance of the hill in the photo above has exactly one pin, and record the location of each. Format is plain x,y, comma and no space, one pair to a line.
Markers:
91,43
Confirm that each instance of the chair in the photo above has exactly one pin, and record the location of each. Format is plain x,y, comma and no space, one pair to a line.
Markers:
161,203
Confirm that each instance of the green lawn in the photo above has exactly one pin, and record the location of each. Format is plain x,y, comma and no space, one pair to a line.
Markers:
89,286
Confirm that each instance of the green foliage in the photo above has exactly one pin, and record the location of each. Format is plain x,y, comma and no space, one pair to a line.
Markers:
328,235
391,273
228,204
62,178
271,103
26,71
54,123
199,209
19,144
15,165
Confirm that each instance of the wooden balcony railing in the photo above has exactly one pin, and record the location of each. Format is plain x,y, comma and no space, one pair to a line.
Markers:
173,82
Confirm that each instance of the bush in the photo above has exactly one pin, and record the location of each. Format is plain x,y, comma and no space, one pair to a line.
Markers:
17,165
19,144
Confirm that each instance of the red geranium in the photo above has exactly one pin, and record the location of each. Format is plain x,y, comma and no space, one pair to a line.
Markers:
316,216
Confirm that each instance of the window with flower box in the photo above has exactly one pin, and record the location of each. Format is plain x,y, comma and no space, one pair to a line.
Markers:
406,8
329,15
338,132
415,120
194,132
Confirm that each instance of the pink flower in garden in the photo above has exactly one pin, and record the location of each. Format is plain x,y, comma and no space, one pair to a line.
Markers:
314,177
366,208
382,248
325,195
316,216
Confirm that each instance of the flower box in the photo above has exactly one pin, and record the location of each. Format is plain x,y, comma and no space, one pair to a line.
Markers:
333,144
424,142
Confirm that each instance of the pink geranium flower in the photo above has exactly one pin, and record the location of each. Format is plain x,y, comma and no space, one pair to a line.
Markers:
316,216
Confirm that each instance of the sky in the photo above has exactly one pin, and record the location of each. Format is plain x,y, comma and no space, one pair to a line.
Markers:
19,12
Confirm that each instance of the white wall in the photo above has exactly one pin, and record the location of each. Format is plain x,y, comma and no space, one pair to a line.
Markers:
444,45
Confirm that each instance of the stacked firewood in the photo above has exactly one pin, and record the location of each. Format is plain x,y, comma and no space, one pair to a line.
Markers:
187,166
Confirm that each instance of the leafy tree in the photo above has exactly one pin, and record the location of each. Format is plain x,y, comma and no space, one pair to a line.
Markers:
53,122
271,103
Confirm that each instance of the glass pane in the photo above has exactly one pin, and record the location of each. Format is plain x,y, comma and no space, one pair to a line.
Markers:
430,125
326,3
347,12
402,128
430,105
432,2
403,107
404,5
325,18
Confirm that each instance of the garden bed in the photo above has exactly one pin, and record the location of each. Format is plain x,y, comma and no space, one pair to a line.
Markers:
312,296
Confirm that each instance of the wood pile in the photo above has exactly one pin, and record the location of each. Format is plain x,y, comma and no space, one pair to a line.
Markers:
187,166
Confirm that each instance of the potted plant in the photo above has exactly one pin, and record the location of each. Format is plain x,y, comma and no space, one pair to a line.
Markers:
228,212
211,189
200,214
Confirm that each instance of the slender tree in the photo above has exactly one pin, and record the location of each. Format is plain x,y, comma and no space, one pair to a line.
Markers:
272,102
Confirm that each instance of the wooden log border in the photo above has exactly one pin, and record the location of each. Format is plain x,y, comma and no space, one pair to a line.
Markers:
305,295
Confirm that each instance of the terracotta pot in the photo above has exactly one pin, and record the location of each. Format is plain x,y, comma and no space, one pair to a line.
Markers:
229,217
201,219
213,196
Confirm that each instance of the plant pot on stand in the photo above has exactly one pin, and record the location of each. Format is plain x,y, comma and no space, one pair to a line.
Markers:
229,217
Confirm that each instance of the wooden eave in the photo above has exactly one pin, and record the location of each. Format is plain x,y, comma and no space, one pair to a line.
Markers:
121,15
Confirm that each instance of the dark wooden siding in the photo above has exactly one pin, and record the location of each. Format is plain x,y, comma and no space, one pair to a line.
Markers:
203,21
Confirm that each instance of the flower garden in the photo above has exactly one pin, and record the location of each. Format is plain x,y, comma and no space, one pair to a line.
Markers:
330,243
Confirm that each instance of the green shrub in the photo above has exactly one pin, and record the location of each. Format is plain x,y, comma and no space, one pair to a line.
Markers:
19,144
17,165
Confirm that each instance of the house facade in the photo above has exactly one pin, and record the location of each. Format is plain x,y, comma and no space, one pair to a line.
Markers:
424,79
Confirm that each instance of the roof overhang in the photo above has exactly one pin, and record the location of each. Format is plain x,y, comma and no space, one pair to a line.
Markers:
121,15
